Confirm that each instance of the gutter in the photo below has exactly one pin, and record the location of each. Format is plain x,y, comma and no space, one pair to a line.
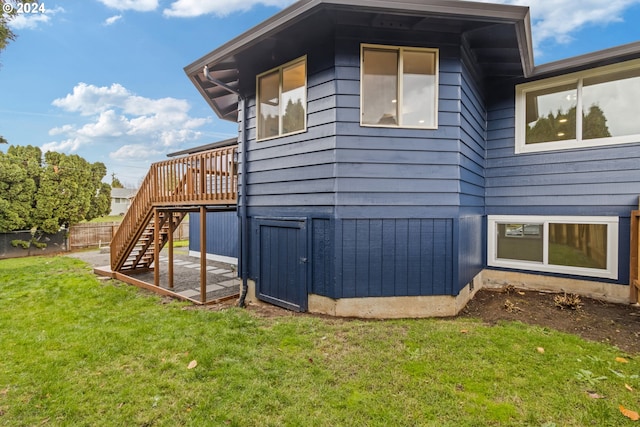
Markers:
242,196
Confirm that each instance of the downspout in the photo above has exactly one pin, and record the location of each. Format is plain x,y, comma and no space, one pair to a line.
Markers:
242,196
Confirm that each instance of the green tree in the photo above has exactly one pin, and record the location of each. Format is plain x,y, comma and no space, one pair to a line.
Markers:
65,192
101,201
2,140
6,35
594,124
19,179
293,118
115,182
562,126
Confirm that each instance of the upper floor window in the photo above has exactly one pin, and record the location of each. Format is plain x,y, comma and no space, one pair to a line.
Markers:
399,87
590,108
282,100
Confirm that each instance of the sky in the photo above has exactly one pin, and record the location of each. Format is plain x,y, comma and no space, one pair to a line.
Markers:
104,79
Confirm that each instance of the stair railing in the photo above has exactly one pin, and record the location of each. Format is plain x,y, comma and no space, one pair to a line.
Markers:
206,178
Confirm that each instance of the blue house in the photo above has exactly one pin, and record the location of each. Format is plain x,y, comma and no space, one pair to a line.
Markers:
396,156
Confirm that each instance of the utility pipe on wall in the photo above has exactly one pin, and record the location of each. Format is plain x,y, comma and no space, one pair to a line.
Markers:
242,196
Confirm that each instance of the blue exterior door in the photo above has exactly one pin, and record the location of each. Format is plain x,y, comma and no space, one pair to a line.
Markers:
282,258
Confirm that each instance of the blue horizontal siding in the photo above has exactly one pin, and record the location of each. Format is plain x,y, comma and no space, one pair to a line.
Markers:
600,180
579,182
297,170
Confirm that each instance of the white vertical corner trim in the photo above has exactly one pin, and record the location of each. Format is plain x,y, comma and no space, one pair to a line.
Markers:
610,272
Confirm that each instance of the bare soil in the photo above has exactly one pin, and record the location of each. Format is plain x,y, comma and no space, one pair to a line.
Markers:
614,324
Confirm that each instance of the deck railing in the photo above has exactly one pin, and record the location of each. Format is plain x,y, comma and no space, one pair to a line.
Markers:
207,178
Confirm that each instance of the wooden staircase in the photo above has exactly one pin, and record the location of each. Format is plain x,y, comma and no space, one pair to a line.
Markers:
170,190
142,255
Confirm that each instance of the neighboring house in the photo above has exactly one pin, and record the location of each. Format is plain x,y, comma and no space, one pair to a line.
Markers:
396,156
121,200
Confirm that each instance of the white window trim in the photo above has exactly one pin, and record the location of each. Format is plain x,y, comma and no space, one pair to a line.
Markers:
611,272
521,125
401,49
280,69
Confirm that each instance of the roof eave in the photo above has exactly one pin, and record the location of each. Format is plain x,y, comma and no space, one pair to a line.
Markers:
601,57
291,14
499,13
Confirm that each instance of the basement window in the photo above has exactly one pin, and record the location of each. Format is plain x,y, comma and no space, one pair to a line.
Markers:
582,246
399,87
282,100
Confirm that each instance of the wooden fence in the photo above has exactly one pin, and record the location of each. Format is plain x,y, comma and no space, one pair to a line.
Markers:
97,235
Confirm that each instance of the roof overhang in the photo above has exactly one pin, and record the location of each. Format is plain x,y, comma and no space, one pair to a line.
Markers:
599,58
497,36
212,146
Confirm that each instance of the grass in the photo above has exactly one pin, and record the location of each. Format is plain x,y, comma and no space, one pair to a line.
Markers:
181,243
79,351
108,218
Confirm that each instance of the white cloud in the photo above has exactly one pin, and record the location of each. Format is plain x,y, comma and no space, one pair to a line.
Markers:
193,8
112,20
68,145
88,99
137,5
556,20
31,21
117,116
134,151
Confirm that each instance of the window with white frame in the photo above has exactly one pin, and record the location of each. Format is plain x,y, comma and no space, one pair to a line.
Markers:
282,100
399,87
585,109
583,246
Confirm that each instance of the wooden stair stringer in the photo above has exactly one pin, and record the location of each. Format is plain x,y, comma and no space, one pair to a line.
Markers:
144,245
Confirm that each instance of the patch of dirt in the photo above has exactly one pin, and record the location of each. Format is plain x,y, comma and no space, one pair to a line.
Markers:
614,324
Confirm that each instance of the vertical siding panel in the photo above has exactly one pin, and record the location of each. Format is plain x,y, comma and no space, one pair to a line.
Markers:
274,248
339,252
362,256
450,259
322,241
388,256
293,252
222,233
440,257
375,257
396,257
470,249
349,260
427,243
414,260
401,257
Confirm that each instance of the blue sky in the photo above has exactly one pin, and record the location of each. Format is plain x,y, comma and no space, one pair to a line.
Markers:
104,78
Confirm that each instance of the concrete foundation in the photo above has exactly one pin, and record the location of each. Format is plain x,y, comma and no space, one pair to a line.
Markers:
446,305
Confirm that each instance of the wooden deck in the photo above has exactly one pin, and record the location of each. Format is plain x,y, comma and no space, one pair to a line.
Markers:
200,182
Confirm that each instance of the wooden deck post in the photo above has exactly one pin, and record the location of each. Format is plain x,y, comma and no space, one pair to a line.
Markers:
170,243
156,247
203,254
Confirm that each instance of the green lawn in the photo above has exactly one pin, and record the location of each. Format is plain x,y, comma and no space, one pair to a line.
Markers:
79,351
